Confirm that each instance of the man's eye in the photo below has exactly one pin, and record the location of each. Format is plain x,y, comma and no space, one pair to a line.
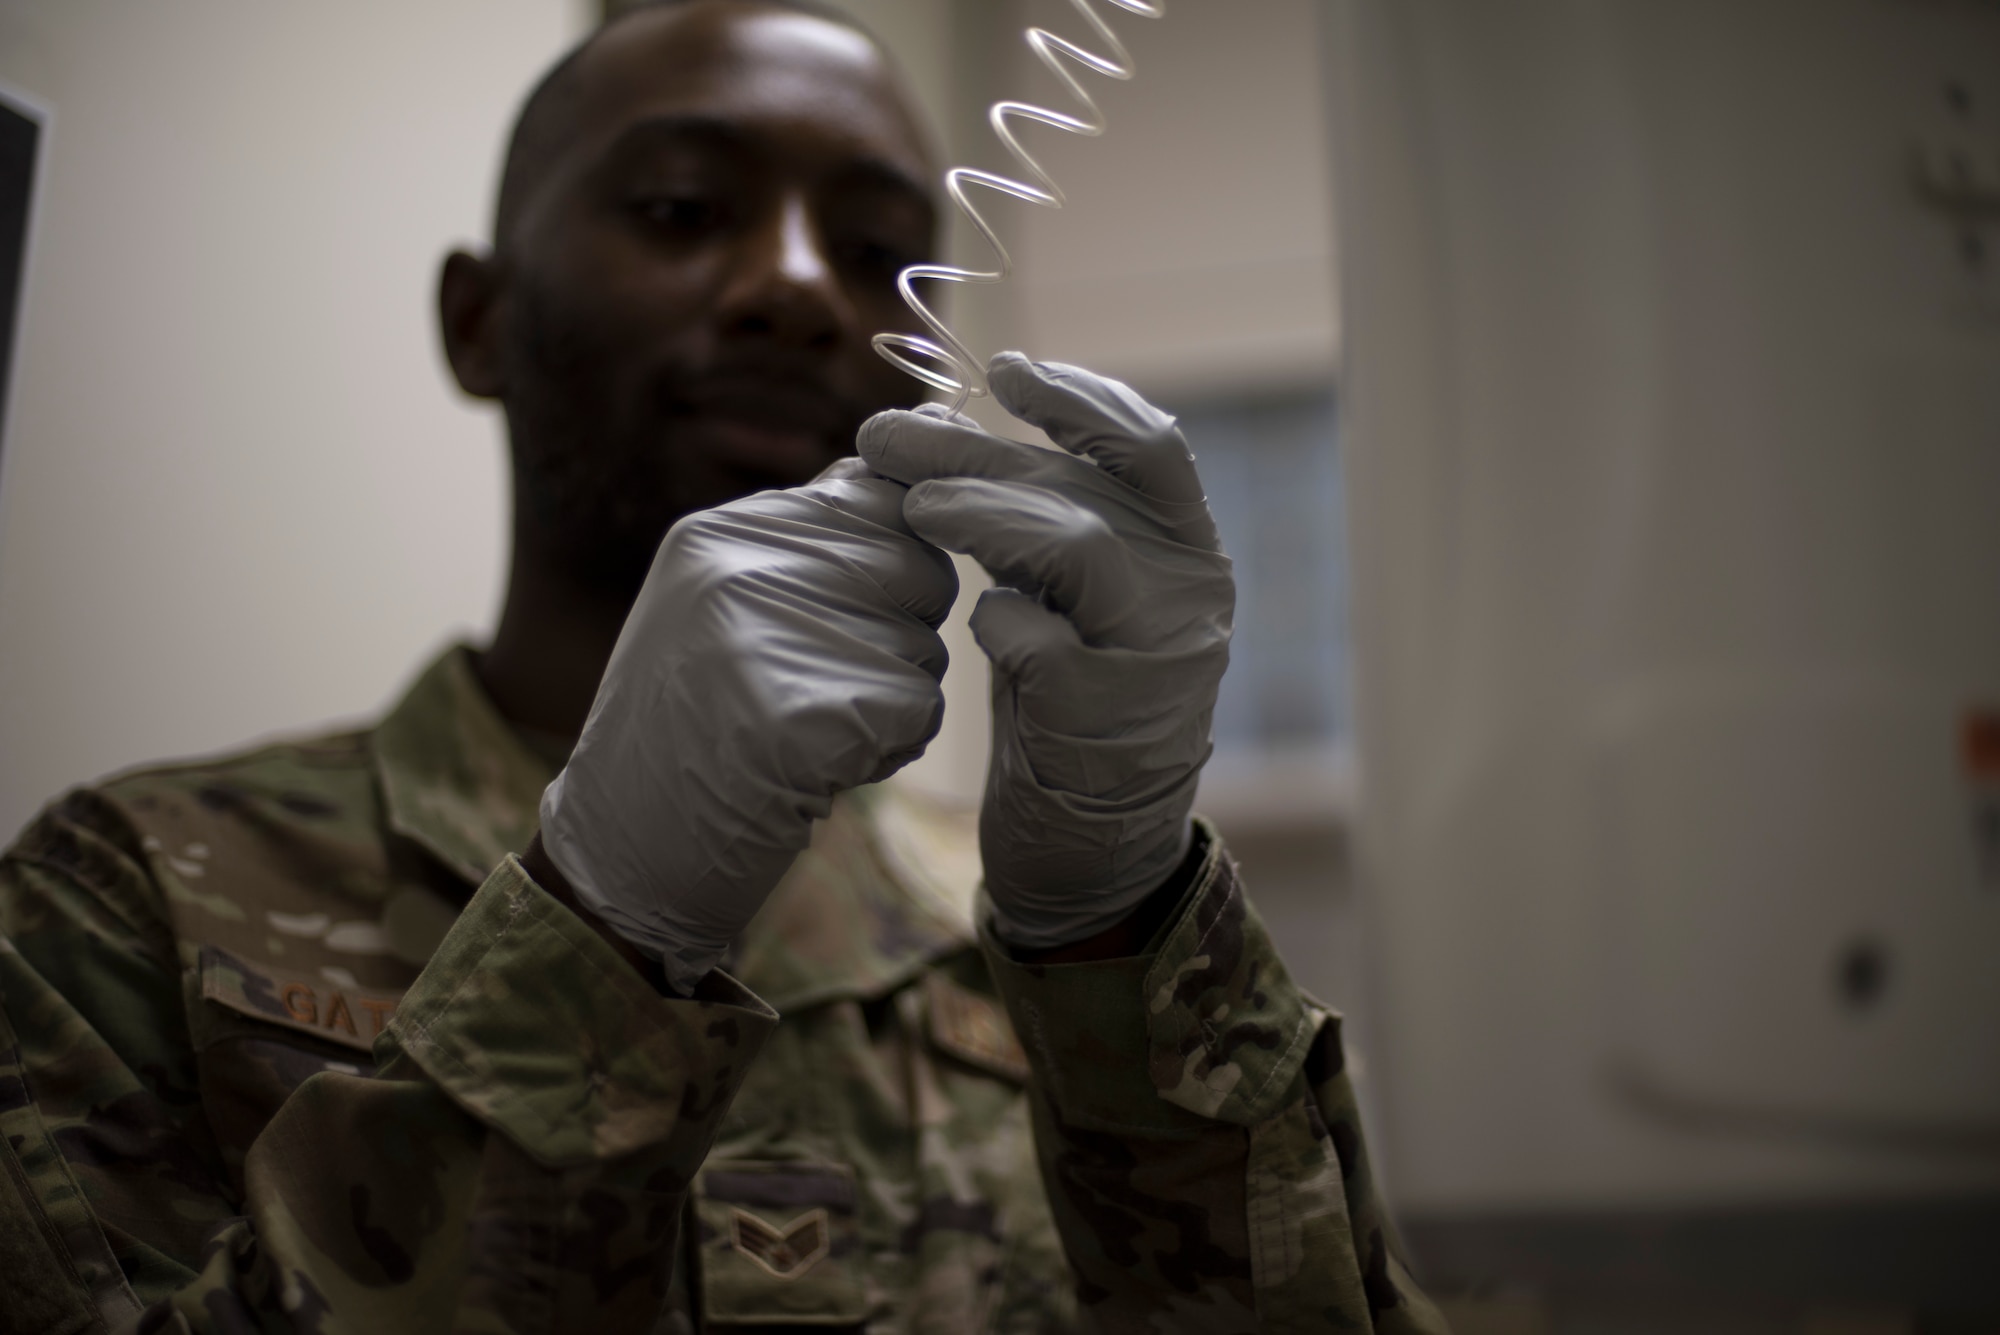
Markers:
680,213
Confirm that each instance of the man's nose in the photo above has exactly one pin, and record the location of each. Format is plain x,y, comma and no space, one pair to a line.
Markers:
784,289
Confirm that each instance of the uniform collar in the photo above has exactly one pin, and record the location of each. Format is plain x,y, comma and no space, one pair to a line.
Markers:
884,890
455,777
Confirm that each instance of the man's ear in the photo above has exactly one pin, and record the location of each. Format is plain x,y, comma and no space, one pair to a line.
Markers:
469,304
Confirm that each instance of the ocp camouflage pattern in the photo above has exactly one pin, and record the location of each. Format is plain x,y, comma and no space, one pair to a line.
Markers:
290,1042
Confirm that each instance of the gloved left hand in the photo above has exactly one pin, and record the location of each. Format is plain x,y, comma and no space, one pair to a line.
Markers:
784,648
1108,633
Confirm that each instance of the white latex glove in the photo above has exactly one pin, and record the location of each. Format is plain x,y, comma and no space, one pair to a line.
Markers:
784,647
1108,635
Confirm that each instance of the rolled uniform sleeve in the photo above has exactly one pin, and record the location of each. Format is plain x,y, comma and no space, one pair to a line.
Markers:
532,1024
518,1162
1198,1135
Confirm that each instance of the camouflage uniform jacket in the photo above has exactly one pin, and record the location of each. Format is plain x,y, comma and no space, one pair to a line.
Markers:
289,1041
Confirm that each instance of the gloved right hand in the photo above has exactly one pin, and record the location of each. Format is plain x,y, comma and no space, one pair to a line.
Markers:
784,648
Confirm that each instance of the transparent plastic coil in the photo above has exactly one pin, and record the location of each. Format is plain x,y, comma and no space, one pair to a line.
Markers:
942,360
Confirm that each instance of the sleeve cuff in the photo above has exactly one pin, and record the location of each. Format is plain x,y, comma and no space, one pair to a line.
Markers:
1223,1029
533,1024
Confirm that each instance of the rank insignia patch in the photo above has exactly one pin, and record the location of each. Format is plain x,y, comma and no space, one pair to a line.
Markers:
784,1253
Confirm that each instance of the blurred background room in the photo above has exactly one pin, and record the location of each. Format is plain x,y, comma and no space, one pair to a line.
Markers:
1601,402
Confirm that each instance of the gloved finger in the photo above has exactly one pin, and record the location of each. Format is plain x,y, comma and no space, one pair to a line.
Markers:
915,446
1100,722
1101,419
927,444
1130,772
916,575
1057,680
835,708
851,487
1020,635
1031,538
1082,691
843,541
846,466
903,755
881,724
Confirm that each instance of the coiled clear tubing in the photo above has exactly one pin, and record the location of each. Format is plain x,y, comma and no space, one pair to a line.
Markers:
943,361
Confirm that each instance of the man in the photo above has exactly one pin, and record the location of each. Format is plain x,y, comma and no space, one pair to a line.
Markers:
273,1057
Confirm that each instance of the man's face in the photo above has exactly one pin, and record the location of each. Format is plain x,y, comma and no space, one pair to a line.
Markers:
690,290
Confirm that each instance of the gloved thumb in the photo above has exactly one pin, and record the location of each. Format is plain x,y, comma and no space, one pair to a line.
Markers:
1103,420
1023,638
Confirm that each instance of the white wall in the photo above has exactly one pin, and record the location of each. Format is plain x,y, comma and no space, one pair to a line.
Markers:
241,493
1195,252
1673,480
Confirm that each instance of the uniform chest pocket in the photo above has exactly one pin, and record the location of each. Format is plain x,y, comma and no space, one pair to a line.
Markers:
779,1244
259,1034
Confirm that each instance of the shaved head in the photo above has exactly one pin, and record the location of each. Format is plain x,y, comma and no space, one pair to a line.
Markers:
704,211
705,208
547,120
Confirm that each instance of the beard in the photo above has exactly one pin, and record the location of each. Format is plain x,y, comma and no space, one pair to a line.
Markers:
601,468
594,504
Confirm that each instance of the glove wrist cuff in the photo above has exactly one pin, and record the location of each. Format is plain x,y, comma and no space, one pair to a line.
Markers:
652,938
1052,921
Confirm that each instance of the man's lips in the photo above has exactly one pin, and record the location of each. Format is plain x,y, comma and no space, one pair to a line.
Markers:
785,452
783,429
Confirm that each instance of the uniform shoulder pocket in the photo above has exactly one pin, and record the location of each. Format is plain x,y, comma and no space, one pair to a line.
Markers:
779,1243
974,1028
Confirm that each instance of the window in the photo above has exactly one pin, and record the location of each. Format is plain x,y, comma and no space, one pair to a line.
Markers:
1272,469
